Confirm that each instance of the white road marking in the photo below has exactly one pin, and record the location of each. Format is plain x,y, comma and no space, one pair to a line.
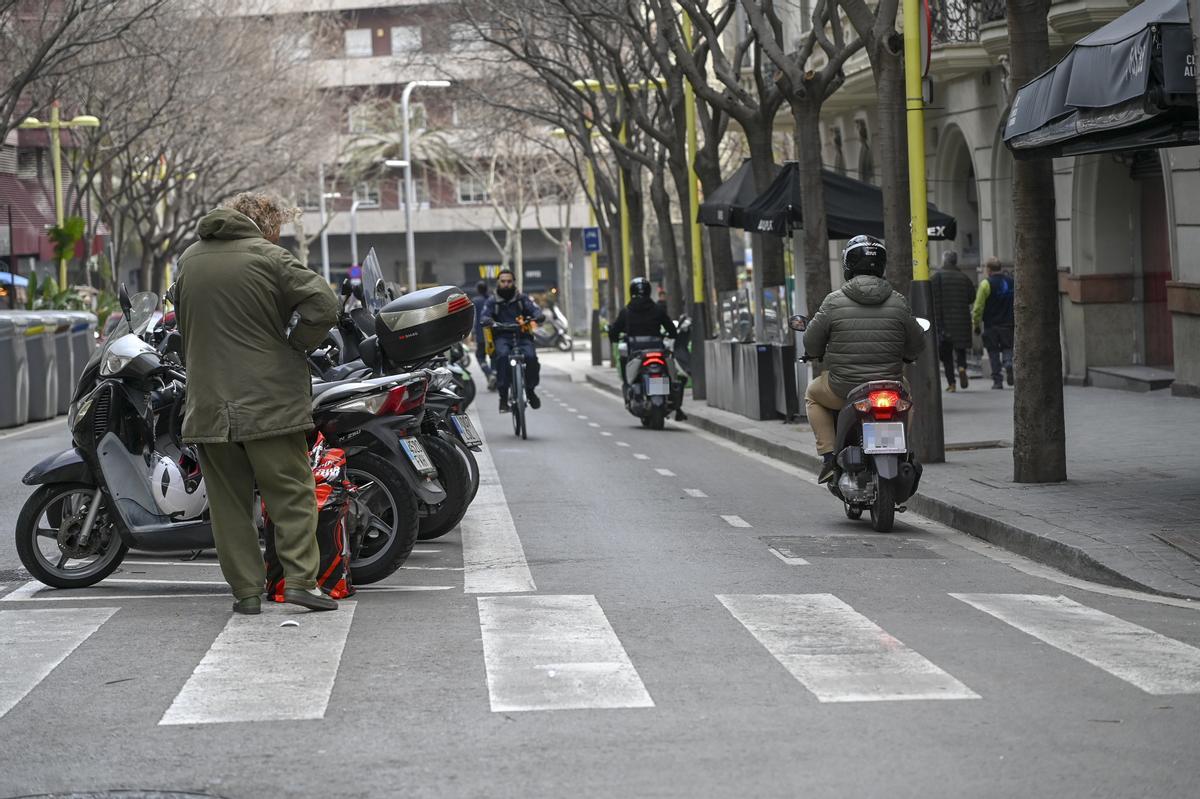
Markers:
735,521
695,492
134,581
593,424
788,559
837,653
605,433
573,410
434,568
555,653
580,416
641,457
665,472
256,670
34,642
23,592
622,444
493,558
127,564
1148,660
387,588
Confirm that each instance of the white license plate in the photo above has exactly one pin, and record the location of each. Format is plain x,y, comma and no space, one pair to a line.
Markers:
466,430
416,453
658,386
884,438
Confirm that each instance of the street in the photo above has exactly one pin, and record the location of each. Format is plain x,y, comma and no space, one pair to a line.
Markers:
622,613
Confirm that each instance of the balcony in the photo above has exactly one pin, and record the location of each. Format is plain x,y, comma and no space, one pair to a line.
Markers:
959,21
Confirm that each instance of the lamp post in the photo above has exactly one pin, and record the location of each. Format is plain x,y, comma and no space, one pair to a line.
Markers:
325,195
354,231
409,193
55,125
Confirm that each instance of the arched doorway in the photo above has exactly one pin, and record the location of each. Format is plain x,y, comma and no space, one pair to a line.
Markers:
957,194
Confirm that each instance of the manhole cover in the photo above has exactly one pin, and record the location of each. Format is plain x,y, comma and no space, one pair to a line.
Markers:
120,795
850,547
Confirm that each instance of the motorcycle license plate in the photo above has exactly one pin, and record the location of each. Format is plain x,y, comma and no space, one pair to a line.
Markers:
420,459
882,438
658,386
466,430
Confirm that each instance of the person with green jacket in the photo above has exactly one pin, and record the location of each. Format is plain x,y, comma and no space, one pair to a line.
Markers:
248,312
864,331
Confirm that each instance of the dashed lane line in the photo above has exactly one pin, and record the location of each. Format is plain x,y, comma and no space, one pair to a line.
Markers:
665,472
735,521
695,492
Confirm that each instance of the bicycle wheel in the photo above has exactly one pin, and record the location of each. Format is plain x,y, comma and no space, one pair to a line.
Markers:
517,398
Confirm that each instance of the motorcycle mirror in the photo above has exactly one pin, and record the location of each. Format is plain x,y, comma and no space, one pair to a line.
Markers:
924,323
123,297
798,323
358,292
381,289
347,288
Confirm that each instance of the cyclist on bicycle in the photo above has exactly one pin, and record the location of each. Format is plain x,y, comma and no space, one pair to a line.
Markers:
506,308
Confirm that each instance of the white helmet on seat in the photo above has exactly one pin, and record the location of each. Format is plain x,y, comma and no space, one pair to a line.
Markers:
178,494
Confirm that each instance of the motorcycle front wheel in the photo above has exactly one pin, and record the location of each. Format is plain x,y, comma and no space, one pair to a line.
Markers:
393,519
456,479
48,529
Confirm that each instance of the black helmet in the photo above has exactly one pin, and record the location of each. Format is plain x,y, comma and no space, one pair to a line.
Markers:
639,287
864,255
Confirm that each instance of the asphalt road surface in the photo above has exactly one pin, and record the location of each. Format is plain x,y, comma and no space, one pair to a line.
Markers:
623,613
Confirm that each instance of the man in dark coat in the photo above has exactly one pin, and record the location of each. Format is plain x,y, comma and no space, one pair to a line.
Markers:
953,294
507,307
248,312
994,309
480,300
644,318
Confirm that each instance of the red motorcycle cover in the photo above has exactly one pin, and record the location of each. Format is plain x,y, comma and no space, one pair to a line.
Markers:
334,493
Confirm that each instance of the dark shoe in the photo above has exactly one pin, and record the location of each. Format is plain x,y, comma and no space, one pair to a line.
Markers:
535,402
250,606
998,385
680,416
962,378
1008,374
828,469
951,389
312,599
504,404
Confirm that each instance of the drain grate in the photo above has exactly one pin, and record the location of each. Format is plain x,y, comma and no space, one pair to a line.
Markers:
851,547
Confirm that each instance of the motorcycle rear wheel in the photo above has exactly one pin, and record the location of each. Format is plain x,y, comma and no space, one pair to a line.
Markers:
50,501
468,457
883,511
456,479
657,417
394,521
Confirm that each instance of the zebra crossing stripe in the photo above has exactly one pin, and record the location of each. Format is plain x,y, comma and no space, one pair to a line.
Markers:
837,653
1147,660
257,670
34,642
555,653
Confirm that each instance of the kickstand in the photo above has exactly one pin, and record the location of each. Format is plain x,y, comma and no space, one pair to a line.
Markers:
195,554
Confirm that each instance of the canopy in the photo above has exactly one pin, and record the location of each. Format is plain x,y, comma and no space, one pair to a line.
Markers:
6,279
1129,85
723,208
852,208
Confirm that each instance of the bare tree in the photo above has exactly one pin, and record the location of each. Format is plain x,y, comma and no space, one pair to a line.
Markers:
1039,426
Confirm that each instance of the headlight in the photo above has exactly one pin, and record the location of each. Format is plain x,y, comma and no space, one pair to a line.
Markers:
114,362
369,404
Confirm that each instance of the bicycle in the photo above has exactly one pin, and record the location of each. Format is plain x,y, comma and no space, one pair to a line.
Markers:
516,362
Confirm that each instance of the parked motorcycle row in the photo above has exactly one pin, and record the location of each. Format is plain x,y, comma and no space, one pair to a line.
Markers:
390,388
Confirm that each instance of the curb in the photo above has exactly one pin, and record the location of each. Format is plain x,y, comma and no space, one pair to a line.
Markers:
1066,558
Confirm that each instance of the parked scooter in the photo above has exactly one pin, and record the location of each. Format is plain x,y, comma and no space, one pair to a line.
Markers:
876,471
554,331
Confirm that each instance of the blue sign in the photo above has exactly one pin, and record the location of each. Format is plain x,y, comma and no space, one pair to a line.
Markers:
591,239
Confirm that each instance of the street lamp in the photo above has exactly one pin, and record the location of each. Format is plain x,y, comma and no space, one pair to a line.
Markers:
409,194
55,125
325,195
354,231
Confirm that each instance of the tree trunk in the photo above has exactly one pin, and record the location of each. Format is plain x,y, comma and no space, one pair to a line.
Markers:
817,284
1039,427
680,175
661,202
720,247
893,141
762,157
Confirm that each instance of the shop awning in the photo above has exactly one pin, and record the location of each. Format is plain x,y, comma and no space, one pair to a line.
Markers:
723,208
1128,85
852,208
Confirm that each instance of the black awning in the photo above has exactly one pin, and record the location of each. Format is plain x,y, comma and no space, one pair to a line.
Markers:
723,208
852,208
1130,83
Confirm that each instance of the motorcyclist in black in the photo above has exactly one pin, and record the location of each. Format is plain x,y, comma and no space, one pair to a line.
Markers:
643,317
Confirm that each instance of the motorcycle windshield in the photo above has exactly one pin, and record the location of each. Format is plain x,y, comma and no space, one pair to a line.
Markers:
374,288
141,314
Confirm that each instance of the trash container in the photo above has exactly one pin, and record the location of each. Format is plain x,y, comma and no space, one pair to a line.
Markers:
43,366
63,355
14,370
83,344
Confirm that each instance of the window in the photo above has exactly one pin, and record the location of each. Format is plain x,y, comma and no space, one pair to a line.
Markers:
358,43
310,200
420,189
471,189
406,39
465,36
367,195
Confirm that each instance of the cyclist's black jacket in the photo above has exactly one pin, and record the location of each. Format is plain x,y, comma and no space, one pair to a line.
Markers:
642,317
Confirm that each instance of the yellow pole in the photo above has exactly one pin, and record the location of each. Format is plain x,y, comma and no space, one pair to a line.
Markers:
915,106
626,259
689,110
56,163
591,188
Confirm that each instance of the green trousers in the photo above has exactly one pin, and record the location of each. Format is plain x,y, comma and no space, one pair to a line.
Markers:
280,467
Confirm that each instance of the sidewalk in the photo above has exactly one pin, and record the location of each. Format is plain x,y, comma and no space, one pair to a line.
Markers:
1131,462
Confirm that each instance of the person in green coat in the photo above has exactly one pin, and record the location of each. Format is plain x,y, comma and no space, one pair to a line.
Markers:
248,312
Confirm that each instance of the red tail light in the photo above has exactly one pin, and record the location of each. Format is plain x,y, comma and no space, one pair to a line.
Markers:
653,358
458,303
883,405
403,399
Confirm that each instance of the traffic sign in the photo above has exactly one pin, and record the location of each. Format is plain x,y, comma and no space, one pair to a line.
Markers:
591,239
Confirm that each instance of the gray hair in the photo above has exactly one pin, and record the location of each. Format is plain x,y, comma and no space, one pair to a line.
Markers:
949,259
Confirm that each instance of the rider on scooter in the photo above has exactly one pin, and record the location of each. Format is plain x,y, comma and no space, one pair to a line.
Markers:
642,317
864,331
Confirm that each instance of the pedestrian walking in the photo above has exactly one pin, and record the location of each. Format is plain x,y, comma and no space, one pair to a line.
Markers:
247,312
994,309
953,293
480,299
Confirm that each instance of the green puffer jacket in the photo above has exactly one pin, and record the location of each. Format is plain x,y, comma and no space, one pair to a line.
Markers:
864,331
234,297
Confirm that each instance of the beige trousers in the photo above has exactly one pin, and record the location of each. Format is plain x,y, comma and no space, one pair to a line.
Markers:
823,407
